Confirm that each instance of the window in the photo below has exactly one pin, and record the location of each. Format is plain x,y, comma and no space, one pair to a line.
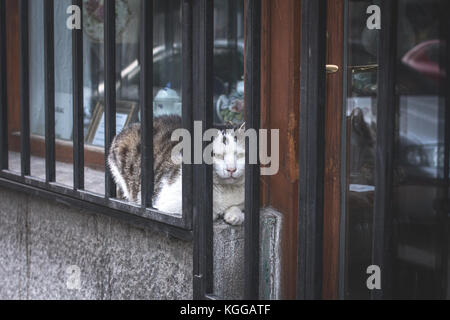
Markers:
78,88
397,190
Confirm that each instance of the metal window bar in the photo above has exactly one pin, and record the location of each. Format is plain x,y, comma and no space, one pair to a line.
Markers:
445,213
146,103
443,201
387,45
203,45
78,103
110,89
312,148
24,89
3,92
252,171
187,110
49,70
344,164
446,190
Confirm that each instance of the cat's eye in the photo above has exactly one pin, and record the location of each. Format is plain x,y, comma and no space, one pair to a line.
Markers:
218,155
224,140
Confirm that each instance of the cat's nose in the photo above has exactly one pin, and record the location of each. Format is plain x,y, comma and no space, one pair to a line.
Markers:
231,170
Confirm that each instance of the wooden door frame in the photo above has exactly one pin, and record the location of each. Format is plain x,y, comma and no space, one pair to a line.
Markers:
280,76
333,149
280,109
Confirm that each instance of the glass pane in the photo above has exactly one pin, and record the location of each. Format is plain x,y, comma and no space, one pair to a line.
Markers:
93,89
63,91
419,234
37,87
127,67
421,191
13,101
361,125
167,59
63,95
229,62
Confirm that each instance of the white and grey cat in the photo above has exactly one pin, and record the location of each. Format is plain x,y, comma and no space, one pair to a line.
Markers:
124,162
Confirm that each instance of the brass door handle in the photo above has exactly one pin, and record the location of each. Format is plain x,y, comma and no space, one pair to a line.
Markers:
331,68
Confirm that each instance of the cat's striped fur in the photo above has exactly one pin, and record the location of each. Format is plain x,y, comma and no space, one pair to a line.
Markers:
125,156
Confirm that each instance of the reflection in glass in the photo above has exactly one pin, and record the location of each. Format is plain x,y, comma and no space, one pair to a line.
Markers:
229,62
420,238
419,234
37,89
167,58
63,94
361,125
127,55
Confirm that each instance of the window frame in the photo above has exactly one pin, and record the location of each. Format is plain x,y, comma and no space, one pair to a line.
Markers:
180,227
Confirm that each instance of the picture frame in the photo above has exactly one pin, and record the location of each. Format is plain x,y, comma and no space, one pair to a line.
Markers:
127,112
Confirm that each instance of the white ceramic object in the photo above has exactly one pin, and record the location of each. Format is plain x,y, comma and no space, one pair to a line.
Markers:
167,102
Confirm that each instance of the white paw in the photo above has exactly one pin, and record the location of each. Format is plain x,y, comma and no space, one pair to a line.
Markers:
234,216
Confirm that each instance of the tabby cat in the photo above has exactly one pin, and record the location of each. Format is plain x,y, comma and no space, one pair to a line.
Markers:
124,162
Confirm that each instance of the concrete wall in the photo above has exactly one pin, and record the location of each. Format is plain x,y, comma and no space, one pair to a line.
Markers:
40,239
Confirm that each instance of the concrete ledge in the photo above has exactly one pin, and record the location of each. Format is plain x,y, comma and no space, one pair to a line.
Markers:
229,258
40,240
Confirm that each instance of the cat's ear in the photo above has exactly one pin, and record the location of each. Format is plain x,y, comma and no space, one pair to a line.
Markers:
240,134
240,131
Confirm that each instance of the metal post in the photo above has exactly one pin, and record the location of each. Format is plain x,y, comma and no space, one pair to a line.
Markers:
312,148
